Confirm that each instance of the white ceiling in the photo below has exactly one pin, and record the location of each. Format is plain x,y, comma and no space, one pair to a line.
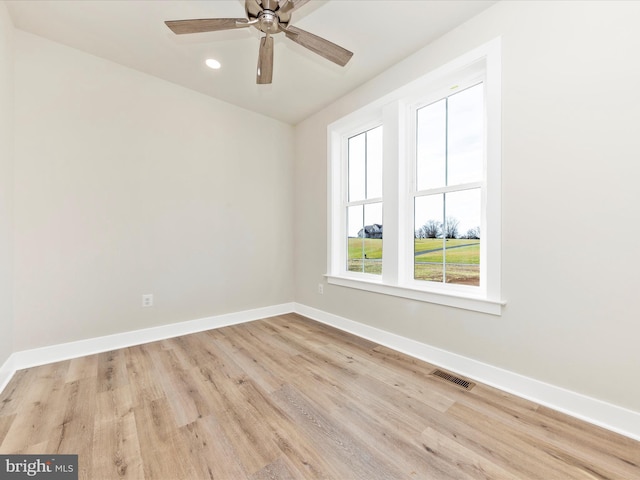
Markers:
133,33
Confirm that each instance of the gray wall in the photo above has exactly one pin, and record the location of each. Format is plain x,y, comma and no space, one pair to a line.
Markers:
571,202
6,183
126,184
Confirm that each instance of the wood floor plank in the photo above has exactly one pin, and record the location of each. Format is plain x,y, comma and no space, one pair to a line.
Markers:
296,444
290,398
14,393
333,438
74,434
385,433
116,436
592,444
162,451
142,374
463,462
482,441
325,333
255,359
251,438
279,340
112,370
40,410
401,382
523,448
180,388
221,384
83,367
581,447
403,414
5,425
208,444
278,470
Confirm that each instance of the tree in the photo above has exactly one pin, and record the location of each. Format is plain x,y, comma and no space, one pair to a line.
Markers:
431,229
451,227
473,233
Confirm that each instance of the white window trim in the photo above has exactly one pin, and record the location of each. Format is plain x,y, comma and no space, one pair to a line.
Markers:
391,111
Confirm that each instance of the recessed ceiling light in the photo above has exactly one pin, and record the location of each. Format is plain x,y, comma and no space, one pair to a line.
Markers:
211,63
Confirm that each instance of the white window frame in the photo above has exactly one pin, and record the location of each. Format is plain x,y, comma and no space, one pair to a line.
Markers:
344,143
396,113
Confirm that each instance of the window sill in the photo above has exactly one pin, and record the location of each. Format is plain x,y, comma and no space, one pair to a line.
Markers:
465,302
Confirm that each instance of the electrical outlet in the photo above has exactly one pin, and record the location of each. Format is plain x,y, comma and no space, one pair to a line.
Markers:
320,289
147,300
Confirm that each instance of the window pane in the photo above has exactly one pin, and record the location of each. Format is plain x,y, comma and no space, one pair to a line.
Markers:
428,243
447,237
356,160
462,232
431,145
355,223
365,238
372,234
465,136
374,163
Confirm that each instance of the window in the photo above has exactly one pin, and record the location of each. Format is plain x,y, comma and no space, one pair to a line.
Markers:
364,202
448,188
414,194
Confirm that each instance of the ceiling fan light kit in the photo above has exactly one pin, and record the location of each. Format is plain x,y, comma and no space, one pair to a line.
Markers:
270,17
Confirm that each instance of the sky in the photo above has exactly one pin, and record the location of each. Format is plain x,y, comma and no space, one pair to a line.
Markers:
449,151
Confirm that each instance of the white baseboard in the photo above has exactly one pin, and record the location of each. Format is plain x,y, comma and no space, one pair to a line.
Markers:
597,412
7,369
66,351
606,415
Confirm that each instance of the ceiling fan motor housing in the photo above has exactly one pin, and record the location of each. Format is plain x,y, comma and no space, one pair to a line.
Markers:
268,22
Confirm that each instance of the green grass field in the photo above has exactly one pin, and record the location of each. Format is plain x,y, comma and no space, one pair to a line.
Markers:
462,262
458,274
466,251
372,248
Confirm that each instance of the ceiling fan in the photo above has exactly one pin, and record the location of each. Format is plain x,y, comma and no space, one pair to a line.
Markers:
270,17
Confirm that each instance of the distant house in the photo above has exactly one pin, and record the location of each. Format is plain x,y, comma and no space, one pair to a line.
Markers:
371,231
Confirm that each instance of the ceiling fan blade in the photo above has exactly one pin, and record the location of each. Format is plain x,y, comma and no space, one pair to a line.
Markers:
319,45
296,3
287,7
253,8
180,27
265,61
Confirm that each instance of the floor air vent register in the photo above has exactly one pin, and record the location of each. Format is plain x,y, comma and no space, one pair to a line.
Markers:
450,378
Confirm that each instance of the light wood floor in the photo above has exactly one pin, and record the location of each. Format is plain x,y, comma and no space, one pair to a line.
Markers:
289,398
